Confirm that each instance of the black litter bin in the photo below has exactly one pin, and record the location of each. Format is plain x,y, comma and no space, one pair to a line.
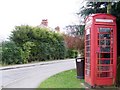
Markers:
80,68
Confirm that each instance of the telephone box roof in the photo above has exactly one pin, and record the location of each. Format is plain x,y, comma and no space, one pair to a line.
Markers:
101,15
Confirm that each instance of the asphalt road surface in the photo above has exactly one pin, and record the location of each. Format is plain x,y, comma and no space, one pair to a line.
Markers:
31,77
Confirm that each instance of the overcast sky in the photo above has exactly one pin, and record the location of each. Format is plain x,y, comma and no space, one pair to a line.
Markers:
31,12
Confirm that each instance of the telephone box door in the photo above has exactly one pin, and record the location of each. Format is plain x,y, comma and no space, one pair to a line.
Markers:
105,55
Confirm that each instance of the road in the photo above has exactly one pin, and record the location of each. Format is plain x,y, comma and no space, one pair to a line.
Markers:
31,77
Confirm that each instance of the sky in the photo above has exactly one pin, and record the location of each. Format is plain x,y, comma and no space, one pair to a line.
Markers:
31,12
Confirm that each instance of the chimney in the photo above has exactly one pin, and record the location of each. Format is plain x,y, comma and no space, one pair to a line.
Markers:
57,29
44,22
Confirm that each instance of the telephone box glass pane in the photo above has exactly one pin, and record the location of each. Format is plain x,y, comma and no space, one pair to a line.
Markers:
87,72
87,54
88,66
105,74
103,61
88,60
87,42
87,48
104,42
87,36
105,49
105,30
104,68
104,36
104,55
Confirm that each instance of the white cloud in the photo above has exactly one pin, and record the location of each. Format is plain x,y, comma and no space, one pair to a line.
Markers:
17,12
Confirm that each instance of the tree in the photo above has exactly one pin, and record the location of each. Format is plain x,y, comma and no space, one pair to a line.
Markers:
74,37
74,42
75,30
93,7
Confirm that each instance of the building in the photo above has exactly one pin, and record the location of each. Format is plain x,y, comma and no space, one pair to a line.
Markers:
44,23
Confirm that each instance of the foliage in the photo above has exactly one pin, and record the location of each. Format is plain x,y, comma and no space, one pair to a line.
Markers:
93,7
11,54
38,43
74,42
116,12
26,50
21,34
75,30
71,53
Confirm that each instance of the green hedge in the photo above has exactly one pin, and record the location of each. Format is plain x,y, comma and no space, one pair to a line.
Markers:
28,44
11,54
71,53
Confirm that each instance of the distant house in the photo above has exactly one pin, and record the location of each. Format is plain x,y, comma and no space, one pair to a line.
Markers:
44,24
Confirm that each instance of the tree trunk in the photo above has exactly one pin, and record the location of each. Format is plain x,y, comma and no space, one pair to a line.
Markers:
109,7
118,72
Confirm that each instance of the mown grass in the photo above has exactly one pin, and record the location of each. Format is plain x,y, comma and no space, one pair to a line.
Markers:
66,79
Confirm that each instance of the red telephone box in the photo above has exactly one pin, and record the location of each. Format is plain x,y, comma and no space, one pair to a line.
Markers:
100,50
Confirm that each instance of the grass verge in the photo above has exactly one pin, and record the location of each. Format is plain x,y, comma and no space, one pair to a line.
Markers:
66,79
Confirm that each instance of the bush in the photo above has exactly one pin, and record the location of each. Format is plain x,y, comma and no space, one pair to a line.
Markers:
11,54
28,44
47,44
72,53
